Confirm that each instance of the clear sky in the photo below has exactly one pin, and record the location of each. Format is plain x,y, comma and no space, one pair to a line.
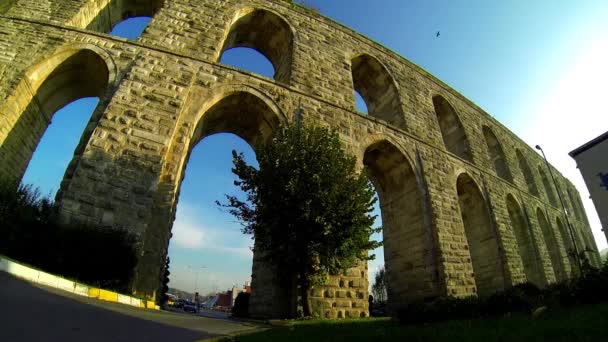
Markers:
540,67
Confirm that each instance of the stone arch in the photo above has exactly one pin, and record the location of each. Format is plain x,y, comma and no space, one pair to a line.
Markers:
266,32
240,113
452,130
497,155
548,187
236,109
409,251
569,202
552,245
73,72
568,243
527,173
526,247
480,236
378,89
580,239
576,209
103,20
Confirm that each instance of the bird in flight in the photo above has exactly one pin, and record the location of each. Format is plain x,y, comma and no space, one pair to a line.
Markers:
437,35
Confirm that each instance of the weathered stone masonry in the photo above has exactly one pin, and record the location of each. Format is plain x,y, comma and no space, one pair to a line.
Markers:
467,206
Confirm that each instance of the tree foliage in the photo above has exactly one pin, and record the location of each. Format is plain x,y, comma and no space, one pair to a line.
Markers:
379,286
31,234
307,207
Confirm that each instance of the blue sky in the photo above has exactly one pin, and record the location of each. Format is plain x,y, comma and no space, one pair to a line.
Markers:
540,67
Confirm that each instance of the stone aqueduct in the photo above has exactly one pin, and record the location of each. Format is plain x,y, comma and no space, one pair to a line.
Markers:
467,207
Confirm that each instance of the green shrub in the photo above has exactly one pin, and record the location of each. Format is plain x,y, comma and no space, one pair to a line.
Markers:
590,288
97,256
241,305
520,298
439,309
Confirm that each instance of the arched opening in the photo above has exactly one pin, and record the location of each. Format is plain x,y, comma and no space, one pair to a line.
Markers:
248,59
581,208
548,187
552,246
131,28
209,253
409,253
576,210
360,104
240,113
267,33
253,120
115,13
377,88
568,244
525,244
46,88
56,148
374,266
527,172
580,240
497,155
452,131
480,237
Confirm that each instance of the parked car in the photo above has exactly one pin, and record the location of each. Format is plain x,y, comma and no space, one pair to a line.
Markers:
189,307
179,304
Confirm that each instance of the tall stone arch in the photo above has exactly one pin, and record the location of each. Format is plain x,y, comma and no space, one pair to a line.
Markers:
548,187
452,130
526,247
378,88
73,72
551,242
576,208
527,173
480,236
568,244
497,155
409,251
265,32
244,112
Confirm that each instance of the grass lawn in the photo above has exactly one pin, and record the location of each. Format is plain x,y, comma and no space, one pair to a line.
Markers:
589,323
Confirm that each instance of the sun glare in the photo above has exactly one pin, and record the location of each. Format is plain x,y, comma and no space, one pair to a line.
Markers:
572,113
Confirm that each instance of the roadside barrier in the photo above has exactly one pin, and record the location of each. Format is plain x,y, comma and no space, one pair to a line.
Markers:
40,277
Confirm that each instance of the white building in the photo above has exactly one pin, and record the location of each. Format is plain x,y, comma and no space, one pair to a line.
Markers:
592,161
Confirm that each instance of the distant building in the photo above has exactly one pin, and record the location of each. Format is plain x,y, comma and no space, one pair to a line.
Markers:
592,161
226,299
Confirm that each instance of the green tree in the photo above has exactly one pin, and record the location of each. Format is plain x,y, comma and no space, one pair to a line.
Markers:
379,286
307,207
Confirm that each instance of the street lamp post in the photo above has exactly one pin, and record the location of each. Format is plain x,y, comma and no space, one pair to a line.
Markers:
578,260
196,270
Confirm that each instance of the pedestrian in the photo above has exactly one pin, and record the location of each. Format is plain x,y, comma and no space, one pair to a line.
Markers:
197,301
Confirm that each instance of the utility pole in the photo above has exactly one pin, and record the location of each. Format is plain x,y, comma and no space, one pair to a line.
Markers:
196,270
578,260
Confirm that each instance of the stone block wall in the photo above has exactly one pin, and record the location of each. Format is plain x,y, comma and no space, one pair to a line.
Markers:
160,95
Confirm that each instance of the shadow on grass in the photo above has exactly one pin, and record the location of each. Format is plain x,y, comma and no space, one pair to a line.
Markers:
587,323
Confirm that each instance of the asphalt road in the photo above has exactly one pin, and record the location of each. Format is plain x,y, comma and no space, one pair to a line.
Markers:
30,312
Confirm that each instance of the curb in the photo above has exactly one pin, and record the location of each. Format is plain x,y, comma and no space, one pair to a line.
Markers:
40,277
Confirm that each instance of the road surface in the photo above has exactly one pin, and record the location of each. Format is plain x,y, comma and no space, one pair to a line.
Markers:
30,312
